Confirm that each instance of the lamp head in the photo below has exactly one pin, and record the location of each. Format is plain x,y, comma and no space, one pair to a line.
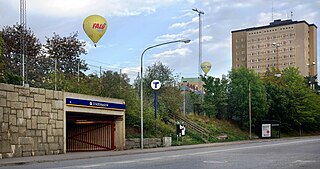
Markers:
186,40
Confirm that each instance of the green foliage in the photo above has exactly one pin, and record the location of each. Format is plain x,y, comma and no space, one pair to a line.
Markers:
169,95
12,53
291,101
240,79
216,98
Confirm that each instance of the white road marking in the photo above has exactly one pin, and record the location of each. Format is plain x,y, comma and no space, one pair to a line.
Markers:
190,154
304,161
215,162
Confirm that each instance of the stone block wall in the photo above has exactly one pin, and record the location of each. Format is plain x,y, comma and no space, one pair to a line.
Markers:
133,143
31,121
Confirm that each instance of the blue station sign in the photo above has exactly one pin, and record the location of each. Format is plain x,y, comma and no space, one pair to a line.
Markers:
95,104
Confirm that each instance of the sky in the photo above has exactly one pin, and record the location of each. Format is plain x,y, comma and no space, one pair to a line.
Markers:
134,25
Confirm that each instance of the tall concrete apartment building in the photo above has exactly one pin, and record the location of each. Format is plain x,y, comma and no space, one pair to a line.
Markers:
279,44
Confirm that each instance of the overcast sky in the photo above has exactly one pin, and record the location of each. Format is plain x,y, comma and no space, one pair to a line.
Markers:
136,24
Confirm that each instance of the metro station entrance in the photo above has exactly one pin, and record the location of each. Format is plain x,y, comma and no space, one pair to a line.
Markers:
90,132
94,123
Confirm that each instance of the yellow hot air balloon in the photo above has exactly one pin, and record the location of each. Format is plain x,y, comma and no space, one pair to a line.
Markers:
95,26
206,66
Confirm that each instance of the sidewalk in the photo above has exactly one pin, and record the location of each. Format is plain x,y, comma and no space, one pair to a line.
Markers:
94,154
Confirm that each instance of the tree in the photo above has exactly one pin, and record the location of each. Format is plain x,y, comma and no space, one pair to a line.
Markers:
239,95
215,98
170,98
12,53
114,85
66,52
301,98
291,101
160,72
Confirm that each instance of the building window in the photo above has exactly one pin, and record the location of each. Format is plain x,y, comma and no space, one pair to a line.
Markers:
242,39
242,52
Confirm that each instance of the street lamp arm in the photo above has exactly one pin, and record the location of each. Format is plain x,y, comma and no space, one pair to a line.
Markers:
160,44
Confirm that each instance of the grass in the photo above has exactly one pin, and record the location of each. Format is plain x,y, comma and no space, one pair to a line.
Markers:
220,127
215,126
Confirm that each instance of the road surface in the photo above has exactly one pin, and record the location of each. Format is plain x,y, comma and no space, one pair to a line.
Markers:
295,153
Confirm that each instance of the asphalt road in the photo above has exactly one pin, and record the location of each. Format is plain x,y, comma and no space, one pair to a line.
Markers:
297,153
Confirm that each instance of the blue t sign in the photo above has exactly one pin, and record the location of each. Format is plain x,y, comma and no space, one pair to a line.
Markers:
155,84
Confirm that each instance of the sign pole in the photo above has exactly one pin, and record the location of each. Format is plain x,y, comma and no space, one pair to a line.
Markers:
155,109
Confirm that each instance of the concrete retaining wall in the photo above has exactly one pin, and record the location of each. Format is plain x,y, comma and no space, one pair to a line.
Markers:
31,121
133,143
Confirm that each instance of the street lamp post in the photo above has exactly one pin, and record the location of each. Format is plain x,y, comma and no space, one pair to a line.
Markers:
249,86
184,97
277,45
312,77
200,42
141,80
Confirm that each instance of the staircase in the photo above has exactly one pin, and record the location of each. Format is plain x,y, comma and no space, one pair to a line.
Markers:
191,126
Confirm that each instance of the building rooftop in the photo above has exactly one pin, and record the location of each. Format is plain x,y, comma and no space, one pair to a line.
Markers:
275,23
191,80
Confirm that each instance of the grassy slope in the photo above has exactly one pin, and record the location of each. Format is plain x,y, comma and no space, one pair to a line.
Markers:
215,126
220,127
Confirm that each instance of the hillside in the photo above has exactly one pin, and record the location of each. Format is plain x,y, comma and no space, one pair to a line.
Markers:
216,128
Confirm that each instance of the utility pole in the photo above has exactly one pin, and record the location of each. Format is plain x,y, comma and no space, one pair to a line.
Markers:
200,45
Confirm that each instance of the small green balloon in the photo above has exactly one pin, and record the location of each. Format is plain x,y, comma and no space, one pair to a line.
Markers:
206,66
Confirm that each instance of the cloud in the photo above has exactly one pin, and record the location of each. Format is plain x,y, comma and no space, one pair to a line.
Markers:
89,46
182,35
266,18
184,24
76,8
215,46
132,72
173,53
